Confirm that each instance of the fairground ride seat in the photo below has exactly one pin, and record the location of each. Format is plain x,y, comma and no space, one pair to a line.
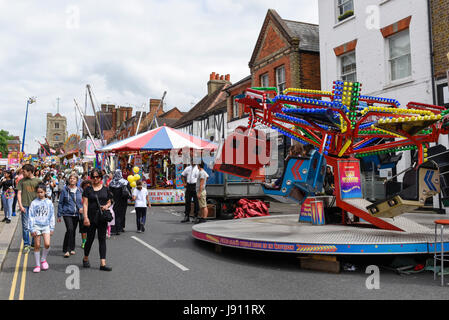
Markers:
418,184
244,154
297,181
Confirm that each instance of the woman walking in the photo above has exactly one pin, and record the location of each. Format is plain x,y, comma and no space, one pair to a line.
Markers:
118,187
7,187
92,196
70,207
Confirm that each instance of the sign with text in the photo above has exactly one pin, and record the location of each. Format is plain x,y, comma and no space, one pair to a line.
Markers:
349,179
166,196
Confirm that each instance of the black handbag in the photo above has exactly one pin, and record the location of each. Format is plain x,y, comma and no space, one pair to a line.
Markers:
125,192
105,215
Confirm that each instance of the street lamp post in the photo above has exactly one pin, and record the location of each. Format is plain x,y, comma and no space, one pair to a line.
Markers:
29,101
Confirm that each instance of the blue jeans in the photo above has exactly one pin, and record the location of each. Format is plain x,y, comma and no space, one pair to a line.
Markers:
7,206
25,231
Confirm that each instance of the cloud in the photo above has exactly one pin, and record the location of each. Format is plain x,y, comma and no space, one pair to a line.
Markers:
127,51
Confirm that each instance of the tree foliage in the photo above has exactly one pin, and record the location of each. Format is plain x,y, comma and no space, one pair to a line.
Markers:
4,137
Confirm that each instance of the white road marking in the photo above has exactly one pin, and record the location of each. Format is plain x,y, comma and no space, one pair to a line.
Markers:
163,255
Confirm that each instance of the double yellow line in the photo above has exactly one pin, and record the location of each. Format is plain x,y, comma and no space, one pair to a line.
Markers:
16,275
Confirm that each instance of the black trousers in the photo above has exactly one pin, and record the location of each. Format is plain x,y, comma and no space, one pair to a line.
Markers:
102,228
191,193
141,217
120,206
69,239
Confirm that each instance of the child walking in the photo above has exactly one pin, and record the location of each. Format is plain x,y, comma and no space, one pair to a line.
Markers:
142,201
41,222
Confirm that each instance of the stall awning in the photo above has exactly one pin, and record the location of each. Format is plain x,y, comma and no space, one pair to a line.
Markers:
162,138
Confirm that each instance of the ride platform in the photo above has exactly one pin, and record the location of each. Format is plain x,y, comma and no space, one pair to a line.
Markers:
283,233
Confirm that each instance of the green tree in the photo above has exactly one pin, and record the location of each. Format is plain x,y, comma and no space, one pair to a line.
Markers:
4,137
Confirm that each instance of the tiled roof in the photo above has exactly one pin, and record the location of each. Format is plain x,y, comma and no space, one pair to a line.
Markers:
203,107
238,83
308,35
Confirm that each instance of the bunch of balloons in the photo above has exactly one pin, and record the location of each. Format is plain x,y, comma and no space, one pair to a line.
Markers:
132,179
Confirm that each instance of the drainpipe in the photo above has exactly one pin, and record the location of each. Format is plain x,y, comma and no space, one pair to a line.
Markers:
432,65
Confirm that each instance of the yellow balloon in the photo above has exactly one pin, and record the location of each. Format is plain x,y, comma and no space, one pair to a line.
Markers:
131,179
136,177
133,184
136,169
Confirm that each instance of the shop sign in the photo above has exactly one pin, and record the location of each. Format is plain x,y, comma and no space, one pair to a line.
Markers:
166,196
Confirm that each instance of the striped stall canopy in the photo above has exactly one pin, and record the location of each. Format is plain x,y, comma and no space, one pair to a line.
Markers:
162,138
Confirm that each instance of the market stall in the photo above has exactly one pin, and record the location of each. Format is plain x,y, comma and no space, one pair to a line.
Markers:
148,156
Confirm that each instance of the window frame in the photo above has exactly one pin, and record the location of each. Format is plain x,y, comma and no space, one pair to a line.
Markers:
339,6
264,76
235,107
282,67
342,75
390,59
56,125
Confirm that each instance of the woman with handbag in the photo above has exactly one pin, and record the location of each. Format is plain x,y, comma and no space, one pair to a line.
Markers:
121,193
96,204
70,208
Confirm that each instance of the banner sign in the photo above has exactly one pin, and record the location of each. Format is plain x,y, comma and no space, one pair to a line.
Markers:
178,170
166,196
306,210
350,181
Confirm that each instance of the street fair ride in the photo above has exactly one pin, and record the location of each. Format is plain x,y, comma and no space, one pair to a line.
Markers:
343,126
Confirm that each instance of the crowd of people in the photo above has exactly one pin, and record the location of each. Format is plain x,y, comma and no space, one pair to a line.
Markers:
87,201
94,203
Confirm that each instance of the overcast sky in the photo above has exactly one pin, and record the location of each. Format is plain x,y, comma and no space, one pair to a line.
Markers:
128,51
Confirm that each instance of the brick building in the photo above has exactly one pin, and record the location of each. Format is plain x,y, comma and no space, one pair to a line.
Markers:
13,145
286,55
207,119
149,120
440,43
110,119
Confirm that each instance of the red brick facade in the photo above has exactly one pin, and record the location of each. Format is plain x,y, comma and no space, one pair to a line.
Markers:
273,42
279,46
345,48
396,27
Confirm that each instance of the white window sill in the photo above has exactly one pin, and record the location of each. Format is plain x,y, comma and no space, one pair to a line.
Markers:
344,21
398,83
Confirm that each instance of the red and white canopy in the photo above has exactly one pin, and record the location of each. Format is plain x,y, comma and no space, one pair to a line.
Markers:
162,138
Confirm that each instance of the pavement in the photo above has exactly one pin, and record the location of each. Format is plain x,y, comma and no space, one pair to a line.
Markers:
6,235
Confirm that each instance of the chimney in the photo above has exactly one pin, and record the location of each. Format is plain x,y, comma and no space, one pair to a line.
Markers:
154,103
114,119
217,81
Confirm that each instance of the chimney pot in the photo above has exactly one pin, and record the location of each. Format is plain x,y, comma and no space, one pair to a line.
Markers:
217,76
221,77
212,76
228,77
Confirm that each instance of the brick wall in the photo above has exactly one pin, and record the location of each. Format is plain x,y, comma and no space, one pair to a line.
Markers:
310,70
272,43
440,27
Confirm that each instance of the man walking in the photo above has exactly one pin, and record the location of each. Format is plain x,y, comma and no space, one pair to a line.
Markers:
26,194
190,177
